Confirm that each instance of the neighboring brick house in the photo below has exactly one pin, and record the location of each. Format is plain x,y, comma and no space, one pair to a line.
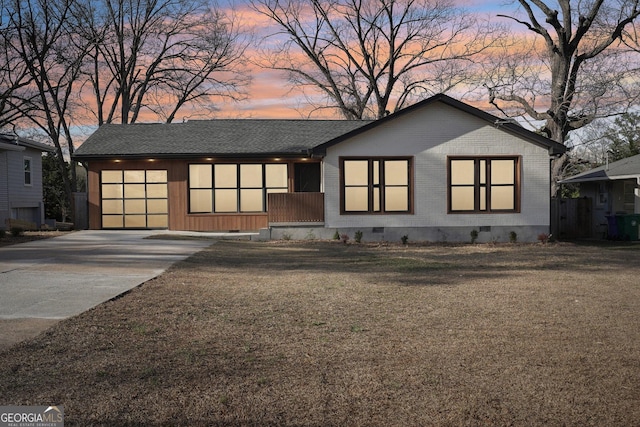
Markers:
21,180
434,171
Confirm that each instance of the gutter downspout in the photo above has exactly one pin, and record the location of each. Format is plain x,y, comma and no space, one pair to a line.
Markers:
554,213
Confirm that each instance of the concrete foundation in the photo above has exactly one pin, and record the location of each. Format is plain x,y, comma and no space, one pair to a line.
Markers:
487,234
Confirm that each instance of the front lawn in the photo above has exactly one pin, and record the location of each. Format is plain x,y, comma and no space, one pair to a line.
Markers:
322,334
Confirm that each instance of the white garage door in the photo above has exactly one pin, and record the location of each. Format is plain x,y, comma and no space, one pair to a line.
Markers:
134,199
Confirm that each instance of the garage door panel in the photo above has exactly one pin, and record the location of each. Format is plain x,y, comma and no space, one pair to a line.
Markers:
135,206
134,199
134,191
157,176
112,191
111,177
157,206
112,207
135,221
134,176
112,221
157,191
158,221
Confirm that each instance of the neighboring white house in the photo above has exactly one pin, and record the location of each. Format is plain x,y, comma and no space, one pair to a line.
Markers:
21,179
435,171
613,189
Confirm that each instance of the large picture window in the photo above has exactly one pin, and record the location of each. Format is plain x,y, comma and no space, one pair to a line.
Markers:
232,188
484,184
376,185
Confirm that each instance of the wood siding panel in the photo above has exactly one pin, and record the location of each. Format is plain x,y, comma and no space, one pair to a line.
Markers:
296,207
177,176
226,222
93,197
179,218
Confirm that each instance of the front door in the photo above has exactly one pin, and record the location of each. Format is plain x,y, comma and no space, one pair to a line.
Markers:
307,177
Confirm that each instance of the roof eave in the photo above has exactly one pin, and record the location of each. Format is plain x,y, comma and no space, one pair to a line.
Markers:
186,156
42,147
11,147
21,144
577,180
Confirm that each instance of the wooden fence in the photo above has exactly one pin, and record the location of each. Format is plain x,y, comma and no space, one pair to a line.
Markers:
572,218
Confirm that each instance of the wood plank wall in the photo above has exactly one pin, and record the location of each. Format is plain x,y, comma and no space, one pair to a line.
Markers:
179,218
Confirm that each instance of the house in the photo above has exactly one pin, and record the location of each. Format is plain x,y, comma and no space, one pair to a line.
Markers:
21,180
611,190
434,171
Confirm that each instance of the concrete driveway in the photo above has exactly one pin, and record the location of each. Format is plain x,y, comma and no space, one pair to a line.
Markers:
48,280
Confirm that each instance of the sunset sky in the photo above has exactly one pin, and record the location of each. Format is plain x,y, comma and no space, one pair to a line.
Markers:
271,96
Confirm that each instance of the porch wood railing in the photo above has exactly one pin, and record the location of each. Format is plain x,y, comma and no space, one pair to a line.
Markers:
296,207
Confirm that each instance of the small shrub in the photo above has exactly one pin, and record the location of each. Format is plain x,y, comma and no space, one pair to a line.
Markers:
16,231
3,233
543,238
336,235
513,237
102,374
310,236
344,237
404,239
149,373
286,236
474,236
358,236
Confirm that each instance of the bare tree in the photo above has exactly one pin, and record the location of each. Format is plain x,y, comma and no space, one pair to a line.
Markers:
161,55
158,55
15,96
573,70
37,37
371,57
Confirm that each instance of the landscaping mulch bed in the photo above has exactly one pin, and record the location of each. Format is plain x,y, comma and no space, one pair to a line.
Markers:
323,333
28,236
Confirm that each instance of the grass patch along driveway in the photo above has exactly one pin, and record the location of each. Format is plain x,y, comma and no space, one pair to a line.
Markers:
321,334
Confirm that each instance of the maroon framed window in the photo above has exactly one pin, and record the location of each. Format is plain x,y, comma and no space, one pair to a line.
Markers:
483,184
376,185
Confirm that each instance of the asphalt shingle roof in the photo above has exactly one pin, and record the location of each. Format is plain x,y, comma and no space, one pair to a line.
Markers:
213,137
622,169
250,137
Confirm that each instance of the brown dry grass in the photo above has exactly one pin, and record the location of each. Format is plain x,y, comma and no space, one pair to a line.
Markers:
321,334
